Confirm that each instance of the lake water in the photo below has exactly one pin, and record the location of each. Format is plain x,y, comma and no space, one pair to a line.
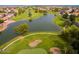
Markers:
44,23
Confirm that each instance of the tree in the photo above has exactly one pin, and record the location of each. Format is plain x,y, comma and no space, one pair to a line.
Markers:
69,19
21,10
36,10
65,16
72,18
1,21
66,21
56,9
71,36
21,29
30,20
29,14
44,12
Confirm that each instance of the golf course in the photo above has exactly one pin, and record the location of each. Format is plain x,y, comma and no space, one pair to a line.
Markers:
21,44
39,30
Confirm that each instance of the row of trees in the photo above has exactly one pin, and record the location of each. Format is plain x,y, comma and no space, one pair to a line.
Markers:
21,10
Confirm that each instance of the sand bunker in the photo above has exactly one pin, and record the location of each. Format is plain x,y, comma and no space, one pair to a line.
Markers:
35,43
55,50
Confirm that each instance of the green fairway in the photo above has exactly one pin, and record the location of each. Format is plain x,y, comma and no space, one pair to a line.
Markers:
24,16
49,40
33,51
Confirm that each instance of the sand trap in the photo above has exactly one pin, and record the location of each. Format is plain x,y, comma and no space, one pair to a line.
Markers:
55,50
35,43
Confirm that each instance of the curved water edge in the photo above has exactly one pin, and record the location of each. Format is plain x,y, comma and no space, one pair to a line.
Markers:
42,24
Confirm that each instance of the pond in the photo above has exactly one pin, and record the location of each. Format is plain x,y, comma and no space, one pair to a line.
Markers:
44,23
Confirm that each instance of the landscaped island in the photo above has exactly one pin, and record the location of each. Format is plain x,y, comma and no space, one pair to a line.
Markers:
39,30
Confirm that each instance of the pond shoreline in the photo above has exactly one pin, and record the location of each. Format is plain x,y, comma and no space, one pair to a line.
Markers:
5,24
42,24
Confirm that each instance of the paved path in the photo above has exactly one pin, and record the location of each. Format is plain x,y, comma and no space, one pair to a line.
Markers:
11,43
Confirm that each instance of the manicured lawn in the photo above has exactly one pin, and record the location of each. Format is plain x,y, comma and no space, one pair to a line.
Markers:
33,51
59,20
48,41
77,19
24,16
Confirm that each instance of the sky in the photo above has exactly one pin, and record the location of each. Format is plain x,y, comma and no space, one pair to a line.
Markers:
39,2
